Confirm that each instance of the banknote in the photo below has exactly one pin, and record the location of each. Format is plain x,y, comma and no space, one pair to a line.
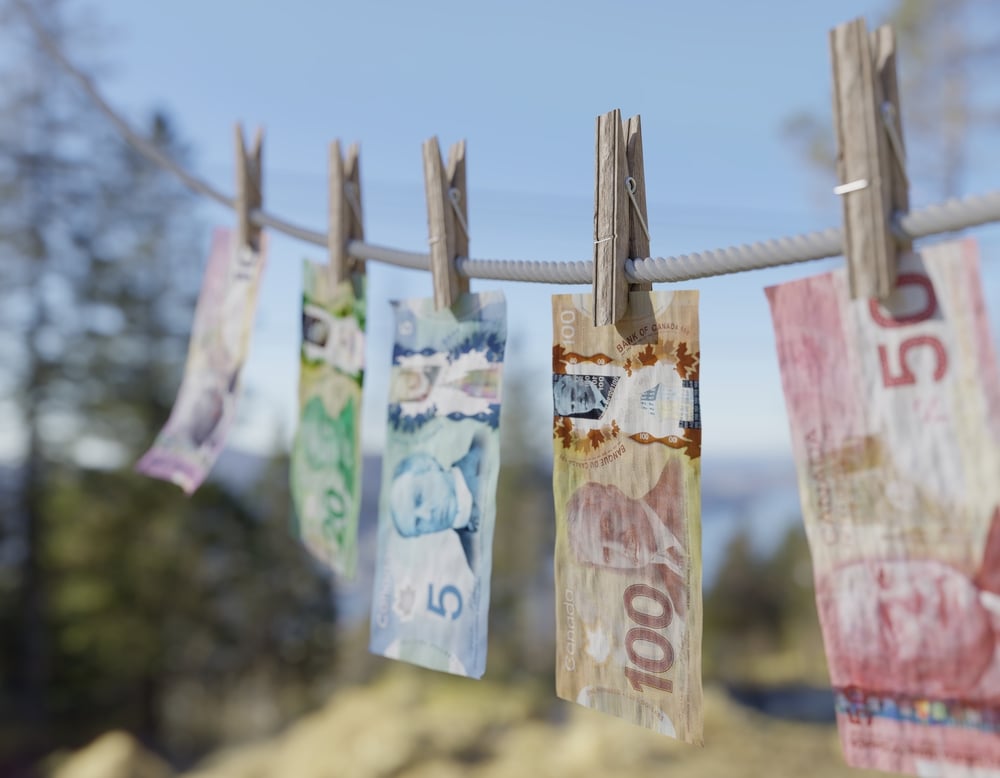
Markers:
326,453
627,488
894,411
439,475
195,433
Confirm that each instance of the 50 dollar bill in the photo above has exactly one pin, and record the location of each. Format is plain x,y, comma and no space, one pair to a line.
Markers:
894,410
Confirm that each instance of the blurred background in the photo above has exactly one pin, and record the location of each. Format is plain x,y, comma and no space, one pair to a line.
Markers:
146,634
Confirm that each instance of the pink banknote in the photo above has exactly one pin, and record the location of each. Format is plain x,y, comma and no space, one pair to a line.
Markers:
195,433
895,420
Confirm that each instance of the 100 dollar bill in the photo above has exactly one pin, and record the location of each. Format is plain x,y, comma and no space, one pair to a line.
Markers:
627,479
195,433
326,454
895,419
439,476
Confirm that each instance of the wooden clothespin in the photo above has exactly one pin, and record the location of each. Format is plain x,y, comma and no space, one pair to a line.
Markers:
249,189
620,224
871,159
447,219
345,211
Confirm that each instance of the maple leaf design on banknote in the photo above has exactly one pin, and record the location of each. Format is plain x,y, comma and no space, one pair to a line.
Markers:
626,479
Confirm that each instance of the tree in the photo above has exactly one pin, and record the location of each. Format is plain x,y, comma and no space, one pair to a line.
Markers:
120,600
760,612
521,602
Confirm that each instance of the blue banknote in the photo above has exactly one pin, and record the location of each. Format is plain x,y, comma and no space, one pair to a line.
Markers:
439,475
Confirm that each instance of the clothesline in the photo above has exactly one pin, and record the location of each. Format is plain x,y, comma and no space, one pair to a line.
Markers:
949,216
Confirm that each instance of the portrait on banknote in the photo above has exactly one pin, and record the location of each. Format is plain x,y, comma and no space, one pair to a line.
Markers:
426,496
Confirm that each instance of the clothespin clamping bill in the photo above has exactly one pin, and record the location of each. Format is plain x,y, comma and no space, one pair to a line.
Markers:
345,211
871,159
249,189
447,219
620,224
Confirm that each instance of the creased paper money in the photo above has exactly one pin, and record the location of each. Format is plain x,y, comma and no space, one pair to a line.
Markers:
439,477
895,421
627,481
326,454
195,433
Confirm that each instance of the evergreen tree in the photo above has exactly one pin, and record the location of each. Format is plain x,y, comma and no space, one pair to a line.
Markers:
122,603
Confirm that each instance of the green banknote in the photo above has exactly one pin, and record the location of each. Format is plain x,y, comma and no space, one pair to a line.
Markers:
326,455
627,481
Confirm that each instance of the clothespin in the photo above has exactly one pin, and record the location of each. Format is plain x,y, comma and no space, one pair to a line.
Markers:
345,211
249,189
447,219
871,159
620,224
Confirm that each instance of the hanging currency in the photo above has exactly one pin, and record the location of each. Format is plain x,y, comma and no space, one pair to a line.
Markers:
895,418
326,454
439,477
627,483
195,433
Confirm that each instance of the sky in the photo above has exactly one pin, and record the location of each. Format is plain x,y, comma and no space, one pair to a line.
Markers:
522,82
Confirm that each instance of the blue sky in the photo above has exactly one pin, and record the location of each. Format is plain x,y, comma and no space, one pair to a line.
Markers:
522,83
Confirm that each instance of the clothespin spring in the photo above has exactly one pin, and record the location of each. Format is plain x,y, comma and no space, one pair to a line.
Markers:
630,187
889,119
351,193
455,197
888,114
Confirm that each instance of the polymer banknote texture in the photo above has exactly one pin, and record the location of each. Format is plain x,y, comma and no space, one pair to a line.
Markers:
626,482
195,433
326,454
894,411
439,475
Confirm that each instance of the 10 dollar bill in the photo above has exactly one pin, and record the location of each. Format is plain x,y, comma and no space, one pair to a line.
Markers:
195,434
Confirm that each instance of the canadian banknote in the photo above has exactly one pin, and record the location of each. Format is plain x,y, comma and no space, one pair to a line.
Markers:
195,433
439,476
326,453
895,419
627,487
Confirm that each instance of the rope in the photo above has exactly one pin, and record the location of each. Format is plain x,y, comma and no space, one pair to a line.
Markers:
955,214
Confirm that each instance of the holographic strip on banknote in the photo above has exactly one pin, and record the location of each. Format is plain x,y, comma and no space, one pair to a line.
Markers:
627,481
439,476
894,411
